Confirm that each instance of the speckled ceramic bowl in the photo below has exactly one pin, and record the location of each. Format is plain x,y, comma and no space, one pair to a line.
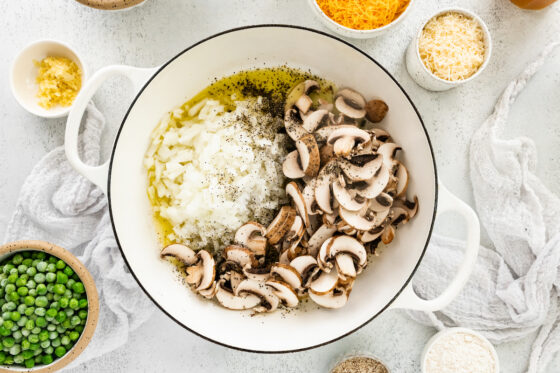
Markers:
91,292
111,4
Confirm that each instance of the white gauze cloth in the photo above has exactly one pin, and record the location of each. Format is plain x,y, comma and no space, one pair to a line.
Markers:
515,287
58,205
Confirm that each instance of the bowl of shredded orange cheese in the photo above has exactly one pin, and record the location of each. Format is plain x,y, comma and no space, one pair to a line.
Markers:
46,77
361,18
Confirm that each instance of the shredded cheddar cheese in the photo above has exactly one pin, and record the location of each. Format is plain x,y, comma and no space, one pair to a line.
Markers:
452,46
363,14
59,81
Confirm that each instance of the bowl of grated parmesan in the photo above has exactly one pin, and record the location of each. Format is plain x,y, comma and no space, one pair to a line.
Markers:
453,47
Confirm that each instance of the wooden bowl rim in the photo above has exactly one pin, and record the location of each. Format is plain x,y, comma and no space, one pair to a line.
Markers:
91,293
110,4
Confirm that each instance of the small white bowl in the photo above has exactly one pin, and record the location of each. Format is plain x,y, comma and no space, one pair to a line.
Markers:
23,75
352,33
449,331
424,77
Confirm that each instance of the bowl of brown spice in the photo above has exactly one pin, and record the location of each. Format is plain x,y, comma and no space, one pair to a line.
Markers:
361,362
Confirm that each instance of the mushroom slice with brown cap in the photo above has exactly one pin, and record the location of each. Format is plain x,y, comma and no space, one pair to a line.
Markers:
292,239
362,220
304,103
324,283
344,139
380,136
288,274
301,89
208,270
345,266
281,224
294,124
323,257
333,299
292,190
257,273
388,234
348,245
326,153
251,235
284,292
398,215
347,198
323,195
360,173
402,179
235,279
210,292
371,235
308,155
350,103
316,240
304,265
376,185
411,207
389,152
381,203
229,300
292,167
319,118
181,252
194,274
269,301
323,133
240,255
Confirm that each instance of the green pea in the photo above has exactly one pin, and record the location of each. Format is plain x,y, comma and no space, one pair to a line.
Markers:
14,297
31,271
51,312
15,350
21,322
18,359
10,288
15,316
29,300
66,324
9,360
34,345
41,289
8,342
39,278
59,351
74,335
52,327
42,266
63,302
47,359
21,281
55,342
49,296
70,283
55,306
25,344
2,357
75,320
61,278
22,268
27,261
59,289
8,324
44,335
68,271
25,332
10,306
29,311
23,291
83,303
17,336
33,338
45,344
68,294
53,335
60,264
51,267
78,287
12,278
33,292
69,312
29,363
49,350
50,277
60,316
79,328
30,324
40,321
41,301
17,259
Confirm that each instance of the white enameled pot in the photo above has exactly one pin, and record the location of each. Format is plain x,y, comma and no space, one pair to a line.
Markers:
386,282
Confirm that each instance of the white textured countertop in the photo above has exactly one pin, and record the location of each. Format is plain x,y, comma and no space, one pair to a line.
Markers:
156,31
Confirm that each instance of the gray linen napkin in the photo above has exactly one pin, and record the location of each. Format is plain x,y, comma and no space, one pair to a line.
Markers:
515,287
58,205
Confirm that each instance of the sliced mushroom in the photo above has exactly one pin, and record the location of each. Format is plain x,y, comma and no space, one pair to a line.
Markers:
292,239
402,179
269,301
304,103
350,103
360,173
210,292
235,279
374,186
371,235
324,283
380,136
398,215
300,203
304,265
251,235
333,299
284,292
381,203
321,235
325,105
181,252
292,167
389,152
257,273
194,274
319,118
303,88
345,266
345,138
229,300
326,153
411,207
281,224
323,258
308,154
348,245
240,255
323,133
347,197
388,234
288,274
208,270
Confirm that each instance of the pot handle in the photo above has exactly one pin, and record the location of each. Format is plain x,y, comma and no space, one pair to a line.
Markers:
447,202
97,174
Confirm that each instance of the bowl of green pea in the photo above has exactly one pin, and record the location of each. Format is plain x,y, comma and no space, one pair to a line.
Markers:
49,307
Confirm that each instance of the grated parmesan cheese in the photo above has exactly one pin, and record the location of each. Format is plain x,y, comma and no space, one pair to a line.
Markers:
59,81
452,46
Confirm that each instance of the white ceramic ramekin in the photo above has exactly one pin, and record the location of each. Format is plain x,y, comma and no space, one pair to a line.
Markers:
449,331
23,75
420,73
352,33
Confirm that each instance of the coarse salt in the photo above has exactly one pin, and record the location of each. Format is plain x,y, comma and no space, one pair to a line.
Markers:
460,352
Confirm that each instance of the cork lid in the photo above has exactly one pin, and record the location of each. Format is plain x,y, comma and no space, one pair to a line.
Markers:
110,4
91,292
